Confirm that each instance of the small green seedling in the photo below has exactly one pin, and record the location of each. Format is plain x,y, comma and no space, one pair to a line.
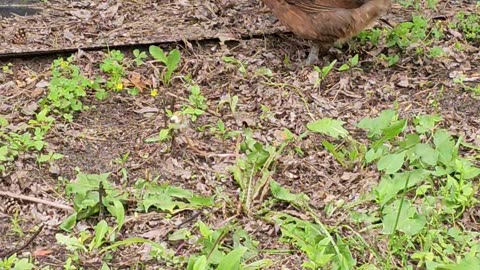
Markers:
469,24
113,65
435,52
263,71
241,65
197,103
232,101
7,68
66,89
139,57
352,62
170,61
13,262
323,72
390,59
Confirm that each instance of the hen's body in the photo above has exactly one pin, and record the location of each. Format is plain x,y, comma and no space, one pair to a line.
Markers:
327,21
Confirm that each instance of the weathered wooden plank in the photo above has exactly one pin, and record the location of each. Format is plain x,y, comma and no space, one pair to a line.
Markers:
68,25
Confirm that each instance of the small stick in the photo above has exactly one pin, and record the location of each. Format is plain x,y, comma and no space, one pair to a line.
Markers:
36,200
101,194
386,22
10,253
194,216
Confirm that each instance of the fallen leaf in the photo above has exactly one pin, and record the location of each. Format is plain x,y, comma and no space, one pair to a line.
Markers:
42,252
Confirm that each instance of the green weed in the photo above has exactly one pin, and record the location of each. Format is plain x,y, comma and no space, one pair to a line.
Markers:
407,33
67,87
323,72
92,193
390,59
221,132
32,139
348,155
197,103
371,35
241,65
462,81
232,101
113,65
16,228
425,183
216,255
253,172
167,198
322,250
13,262
469,24
195,107
170,61
139,57
7,68
350,65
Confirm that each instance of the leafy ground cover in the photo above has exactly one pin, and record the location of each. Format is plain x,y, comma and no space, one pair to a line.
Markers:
237,156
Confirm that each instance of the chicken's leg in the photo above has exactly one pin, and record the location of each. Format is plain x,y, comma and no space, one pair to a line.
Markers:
317,49
312,58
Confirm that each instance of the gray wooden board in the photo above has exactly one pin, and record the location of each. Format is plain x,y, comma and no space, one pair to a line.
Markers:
68,25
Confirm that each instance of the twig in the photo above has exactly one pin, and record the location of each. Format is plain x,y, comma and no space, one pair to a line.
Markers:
194,216
386,22
36,200
101,194
10,253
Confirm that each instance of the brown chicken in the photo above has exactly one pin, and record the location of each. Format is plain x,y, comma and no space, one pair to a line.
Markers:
327,21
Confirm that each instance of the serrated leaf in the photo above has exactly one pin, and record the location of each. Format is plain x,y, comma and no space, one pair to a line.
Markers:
376,125
328,126
425,123
284,194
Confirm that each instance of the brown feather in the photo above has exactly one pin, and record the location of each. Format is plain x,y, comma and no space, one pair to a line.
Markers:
326,4
327,21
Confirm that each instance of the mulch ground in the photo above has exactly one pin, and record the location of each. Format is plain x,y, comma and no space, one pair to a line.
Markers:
121,123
